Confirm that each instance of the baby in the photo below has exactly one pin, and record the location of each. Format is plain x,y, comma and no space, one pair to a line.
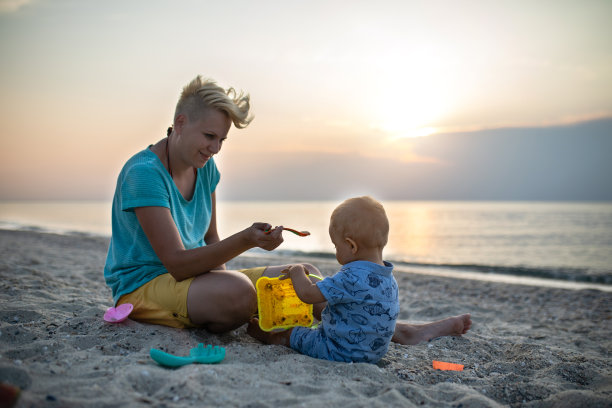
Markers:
362,298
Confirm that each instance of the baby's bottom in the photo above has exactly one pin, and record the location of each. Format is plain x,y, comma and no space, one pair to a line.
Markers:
311,343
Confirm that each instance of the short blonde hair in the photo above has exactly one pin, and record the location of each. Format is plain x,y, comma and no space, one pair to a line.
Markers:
202,93
362,219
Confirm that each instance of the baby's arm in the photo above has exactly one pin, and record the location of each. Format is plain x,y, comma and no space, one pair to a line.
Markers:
307,291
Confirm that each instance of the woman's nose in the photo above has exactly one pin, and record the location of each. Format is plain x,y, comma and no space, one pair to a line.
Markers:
215,146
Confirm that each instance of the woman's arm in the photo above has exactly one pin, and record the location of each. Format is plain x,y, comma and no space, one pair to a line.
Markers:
212,236
181,263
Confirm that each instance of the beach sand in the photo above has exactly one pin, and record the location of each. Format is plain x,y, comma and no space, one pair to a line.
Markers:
529,346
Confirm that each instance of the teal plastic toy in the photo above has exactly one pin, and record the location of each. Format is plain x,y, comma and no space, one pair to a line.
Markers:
199,354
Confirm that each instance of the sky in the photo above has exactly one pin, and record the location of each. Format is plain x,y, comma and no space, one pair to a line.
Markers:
449,100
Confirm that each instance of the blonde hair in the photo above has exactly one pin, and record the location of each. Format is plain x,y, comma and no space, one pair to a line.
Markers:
362,219
202,93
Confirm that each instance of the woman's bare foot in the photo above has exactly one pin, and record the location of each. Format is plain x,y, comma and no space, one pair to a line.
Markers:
279,338
411,334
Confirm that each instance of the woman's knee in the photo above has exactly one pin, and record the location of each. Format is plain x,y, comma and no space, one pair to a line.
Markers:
243,297
225,297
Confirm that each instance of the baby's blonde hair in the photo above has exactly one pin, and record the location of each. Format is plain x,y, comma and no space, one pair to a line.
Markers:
362,219
202,93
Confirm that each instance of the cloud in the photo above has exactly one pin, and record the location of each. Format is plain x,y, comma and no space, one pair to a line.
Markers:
559,163
560,121
11,6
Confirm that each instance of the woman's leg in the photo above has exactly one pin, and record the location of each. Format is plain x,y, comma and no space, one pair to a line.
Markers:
411,334
221,300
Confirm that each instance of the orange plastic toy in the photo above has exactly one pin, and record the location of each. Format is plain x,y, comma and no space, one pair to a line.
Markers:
441,365
279,305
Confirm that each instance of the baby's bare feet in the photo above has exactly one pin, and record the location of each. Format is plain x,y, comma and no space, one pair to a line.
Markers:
255,331
416,333
279,338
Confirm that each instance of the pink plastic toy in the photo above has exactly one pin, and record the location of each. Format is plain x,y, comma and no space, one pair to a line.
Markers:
119,313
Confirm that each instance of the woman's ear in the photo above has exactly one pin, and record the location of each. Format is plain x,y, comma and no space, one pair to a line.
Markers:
179,123
353,244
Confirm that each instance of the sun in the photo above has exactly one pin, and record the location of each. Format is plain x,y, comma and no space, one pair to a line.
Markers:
410,133
411,109
411,99
408,117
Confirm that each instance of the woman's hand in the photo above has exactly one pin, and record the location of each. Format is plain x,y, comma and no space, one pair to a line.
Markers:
263,237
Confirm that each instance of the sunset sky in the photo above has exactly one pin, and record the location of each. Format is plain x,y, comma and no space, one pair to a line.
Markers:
399,99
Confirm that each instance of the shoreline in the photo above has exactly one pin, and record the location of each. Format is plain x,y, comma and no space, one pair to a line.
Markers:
451,273
448,271
529,345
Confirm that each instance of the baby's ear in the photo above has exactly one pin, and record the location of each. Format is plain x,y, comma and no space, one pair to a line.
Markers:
353,244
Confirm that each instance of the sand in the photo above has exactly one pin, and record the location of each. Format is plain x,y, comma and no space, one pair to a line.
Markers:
529,346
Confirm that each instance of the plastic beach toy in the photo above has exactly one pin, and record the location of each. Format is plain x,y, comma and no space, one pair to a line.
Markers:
296,232
199,354
441,365
119,313
279,305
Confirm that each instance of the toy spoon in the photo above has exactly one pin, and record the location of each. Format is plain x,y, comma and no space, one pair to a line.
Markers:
200,354
296,232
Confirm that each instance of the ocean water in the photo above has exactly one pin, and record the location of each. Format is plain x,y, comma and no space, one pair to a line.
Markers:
565,241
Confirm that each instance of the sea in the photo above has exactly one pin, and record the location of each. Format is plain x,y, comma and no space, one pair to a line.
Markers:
564,243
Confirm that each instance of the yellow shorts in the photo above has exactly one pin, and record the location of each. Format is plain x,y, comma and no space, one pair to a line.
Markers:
163,300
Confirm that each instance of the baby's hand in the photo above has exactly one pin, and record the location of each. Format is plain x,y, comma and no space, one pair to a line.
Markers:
292,270
284,274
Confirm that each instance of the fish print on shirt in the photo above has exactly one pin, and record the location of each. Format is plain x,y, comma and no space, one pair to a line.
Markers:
356,336
374,281
351,278
342,318
350,288
377,309
336,295
377,343
359,319
388,292
382,330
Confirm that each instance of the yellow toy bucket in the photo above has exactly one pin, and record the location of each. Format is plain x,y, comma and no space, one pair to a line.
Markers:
279,305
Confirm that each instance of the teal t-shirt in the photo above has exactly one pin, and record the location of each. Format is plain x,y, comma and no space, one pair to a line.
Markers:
145,182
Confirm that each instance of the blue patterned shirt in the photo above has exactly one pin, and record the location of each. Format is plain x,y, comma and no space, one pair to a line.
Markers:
359,320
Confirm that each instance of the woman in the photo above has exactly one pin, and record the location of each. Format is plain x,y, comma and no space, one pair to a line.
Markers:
165,255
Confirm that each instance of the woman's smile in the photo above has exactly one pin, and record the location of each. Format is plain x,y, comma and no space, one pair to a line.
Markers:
205,156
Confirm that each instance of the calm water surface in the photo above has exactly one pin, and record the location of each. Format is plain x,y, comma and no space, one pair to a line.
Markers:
570,241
